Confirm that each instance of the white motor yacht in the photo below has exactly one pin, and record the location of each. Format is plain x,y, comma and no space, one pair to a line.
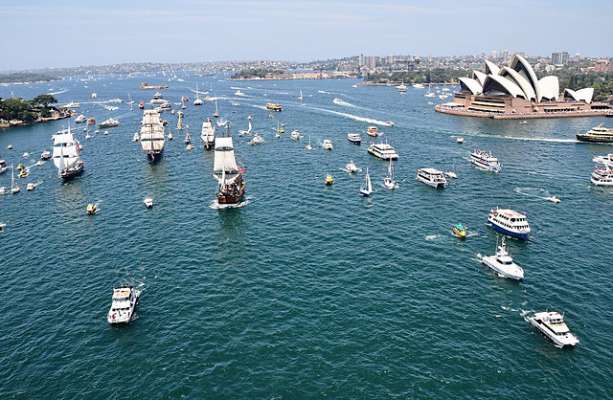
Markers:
327,144
553,199
123,305
606,160
257,139
485,160
351,168
3,166
459,140
384,151
148,201
431,177
602,177
295,135
552,325
45,155
502,263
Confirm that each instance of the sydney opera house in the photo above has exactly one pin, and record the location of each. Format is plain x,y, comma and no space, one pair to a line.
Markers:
515,92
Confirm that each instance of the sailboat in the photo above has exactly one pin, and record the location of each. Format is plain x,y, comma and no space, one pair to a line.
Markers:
366,188
216,113
198,101
231,189
389,182
308,146
280,129
301,97
248,131
66,154
208,134
14,188
152,135
188,137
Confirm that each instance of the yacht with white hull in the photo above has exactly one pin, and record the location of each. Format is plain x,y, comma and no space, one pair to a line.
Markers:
502,263
432,177
384,151
485,161
510,223
552,325
123,305
602,177
66,155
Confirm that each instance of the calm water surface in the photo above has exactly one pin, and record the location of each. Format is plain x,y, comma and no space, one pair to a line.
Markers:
309,291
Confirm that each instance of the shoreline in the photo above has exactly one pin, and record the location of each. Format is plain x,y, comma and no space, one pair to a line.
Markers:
537,115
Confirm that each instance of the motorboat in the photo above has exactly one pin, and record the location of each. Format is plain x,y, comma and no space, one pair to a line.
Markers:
148,201
308,145
459,140
432,177
366,187
123,305
509,222
136,137
327,144
354,138
45,155
552,325
239,93
9,147
80,119
502,263
606,160
485,161
280,129
459,231
602,177
598,134
276,107
372,131
389,181
329,181
295,135
109,123
2,227
418,86
170,136
3,166
553,199
30,186
91,209
384,151
257,139
351,168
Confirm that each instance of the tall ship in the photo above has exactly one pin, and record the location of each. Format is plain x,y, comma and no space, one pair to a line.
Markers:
152,135
66,154
598,134
208,134
231,189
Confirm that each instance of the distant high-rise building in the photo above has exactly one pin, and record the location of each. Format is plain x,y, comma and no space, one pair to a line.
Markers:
560,58
361,60
370,62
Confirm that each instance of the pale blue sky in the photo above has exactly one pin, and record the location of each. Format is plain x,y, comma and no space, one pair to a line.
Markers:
51,33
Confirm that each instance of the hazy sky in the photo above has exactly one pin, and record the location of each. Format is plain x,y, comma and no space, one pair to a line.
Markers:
51,33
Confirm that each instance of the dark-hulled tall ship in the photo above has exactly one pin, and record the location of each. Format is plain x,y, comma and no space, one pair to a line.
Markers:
231,186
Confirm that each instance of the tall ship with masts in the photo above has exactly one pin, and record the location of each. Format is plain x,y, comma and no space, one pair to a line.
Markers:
231,187
152,135
66,154
208,134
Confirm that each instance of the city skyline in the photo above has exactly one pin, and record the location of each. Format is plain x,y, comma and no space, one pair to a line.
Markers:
79,33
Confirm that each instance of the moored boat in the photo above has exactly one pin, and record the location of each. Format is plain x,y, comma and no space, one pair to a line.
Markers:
384,151
354,138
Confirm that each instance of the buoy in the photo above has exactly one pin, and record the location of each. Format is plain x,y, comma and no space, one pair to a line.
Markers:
329,180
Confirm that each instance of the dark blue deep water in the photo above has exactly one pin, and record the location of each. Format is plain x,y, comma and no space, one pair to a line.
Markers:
309,291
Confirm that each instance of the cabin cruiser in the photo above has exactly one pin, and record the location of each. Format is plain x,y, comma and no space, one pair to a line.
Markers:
109,123
402,88
485,160
257,139
80,119
459,140
3,166
295,135
418,86
607,160
602,177
552,325
502,263
327,144
598,134
384,151
148,201
351,168
372,131
432,177
45,155
354,138
123,305
509,222
72,104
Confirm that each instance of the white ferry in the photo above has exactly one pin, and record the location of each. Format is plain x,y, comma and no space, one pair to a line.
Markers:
485,161
602,177
123,305
606,160
510,223
384,151
552,325
502,263
432,177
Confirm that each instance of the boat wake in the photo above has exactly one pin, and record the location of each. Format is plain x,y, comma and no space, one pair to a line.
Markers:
525,139
198,91
431,237
340,102
533,192
216,206
323,92
354,117
61,91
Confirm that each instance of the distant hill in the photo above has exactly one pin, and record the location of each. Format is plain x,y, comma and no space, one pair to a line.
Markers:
25,77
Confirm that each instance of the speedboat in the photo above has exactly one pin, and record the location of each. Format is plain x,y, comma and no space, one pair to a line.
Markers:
257,139
552,325
451,174
602,177
354,138
80,119
136,137
3,166
45,155
384,151
329,180
510,223
485,160
295,135
91,209
459,140
502,263
327,144
431,177
459,231
604,160
351,168
366,187
30,186
553,199
148,201
170,136
123,305
372,131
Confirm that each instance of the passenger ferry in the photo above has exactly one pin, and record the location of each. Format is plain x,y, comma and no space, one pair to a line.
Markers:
274,107
384,151
485,160
598,134
606,160
372,131
123,305
510,223
552,325
354,138
432,177
602,177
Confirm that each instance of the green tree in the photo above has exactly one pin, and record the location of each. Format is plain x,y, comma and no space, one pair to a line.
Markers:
44,100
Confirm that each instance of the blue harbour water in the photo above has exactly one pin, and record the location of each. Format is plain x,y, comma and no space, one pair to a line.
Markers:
309,291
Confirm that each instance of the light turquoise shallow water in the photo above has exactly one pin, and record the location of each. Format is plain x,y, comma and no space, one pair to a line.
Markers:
309,291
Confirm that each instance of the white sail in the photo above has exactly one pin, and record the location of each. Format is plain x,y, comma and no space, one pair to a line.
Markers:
250,127
225,162
66,150
208,132
368,183
152,132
